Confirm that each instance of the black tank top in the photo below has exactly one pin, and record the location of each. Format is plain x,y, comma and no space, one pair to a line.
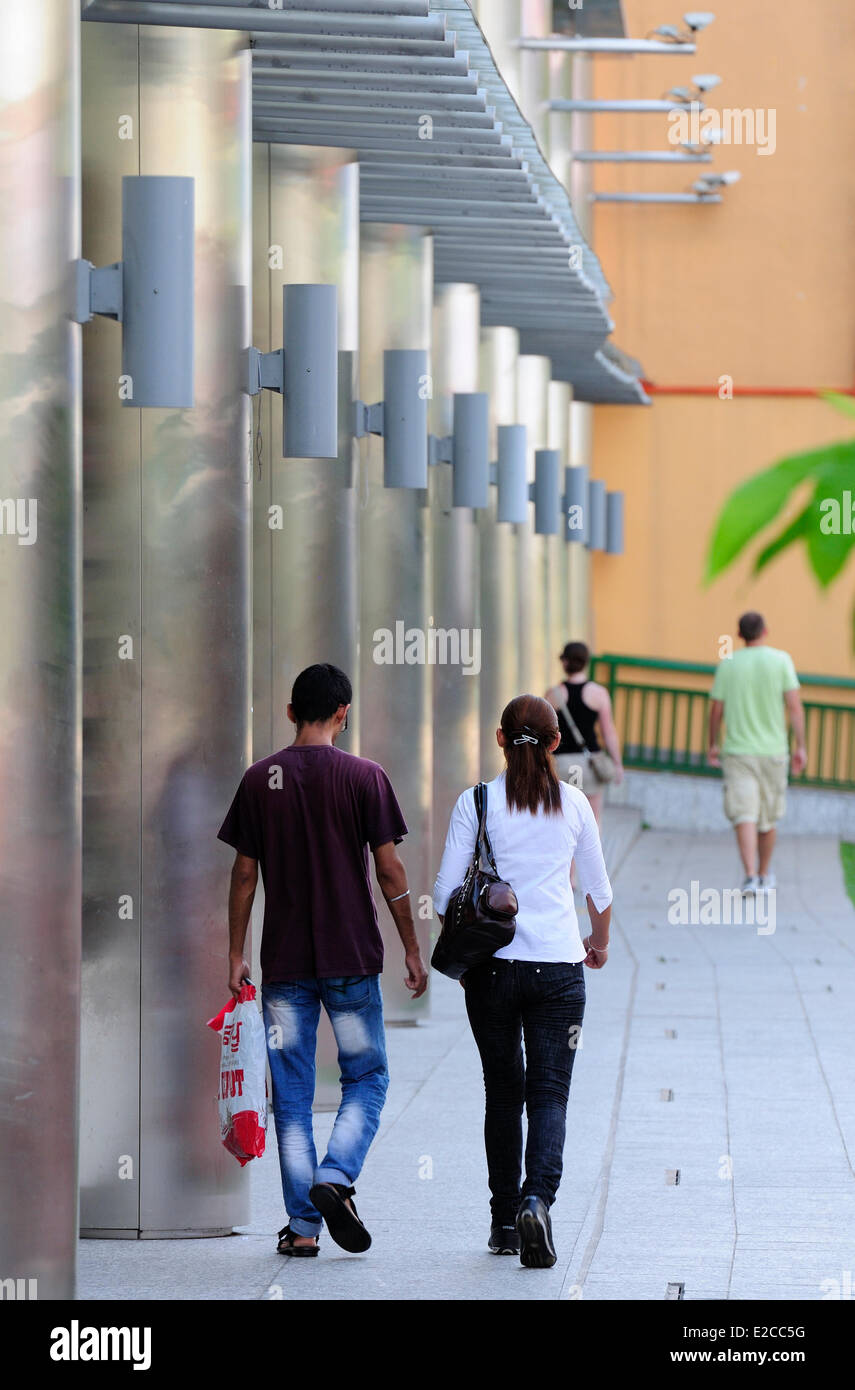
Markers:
584,717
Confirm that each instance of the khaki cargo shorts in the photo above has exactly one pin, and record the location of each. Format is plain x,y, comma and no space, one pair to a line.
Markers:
755,789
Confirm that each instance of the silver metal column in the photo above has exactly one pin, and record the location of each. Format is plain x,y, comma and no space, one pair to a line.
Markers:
558,576
454,550
499,680
39,643
580,130
396,294
533,375
306,230
305,588
112,885
167,649
536,22
502,22
579,557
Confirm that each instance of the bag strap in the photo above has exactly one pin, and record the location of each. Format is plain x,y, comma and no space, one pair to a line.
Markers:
482,842
572,725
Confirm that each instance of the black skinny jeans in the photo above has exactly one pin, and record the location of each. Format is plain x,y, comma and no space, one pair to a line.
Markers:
542,1003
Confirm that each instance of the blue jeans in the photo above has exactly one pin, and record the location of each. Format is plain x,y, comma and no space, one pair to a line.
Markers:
508,1001
291,1010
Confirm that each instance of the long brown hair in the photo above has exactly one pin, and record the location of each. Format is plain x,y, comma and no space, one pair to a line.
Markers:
531,783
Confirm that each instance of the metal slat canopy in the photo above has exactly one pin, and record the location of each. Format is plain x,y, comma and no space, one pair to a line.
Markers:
412,87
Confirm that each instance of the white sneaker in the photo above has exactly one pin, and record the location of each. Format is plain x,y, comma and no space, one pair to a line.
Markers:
767,883
750,884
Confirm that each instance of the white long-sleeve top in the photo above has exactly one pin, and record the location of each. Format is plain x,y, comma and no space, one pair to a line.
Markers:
533,854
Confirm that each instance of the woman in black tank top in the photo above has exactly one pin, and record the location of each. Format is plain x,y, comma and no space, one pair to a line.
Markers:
571,758
584,718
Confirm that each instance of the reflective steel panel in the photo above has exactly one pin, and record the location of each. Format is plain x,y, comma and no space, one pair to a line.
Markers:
39,643
195,563
532,575
454,617
394,538
558,565
579,560
167,665
305,591
112,691
499,679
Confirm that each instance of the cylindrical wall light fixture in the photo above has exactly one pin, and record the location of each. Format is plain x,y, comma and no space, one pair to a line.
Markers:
547,492
513,500
471,465
157,290
596,515
614,523
576,503
405,417
310,371
304,371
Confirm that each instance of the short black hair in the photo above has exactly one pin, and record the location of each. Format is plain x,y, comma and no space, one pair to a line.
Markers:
751,625
575,657
318,692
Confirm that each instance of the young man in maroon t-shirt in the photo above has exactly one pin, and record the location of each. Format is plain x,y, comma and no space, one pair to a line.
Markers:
309,816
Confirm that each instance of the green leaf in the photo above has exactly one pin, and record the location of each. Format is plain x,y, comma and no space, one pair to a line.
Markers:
845,404
755,503
828,555
828,551
838,467
795,531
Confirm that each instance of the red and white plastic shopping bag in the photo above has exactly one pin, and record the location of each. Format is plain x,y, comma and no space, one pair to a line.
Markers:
242,1096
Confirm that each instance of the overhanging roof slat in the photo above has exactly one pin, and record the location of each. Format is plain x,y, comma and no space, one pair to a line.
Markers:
267,94
262,17
362,75
374,117
354,80
404,62
419,8
506,163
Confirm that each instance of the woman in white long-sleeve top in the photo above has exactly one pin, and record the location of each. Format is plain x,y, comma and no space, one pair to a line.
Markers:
533,989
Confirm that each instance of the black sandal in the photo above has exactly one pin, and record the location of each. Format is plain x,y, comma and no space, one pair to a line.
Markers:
343,1223
286,1245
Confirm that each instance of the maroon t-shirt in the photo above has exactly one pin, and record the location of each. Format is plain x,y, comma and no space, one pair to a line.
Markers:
310,815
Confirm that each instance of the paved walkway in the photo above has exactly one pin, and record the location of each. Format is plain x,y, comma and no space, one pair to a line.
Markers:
712,1054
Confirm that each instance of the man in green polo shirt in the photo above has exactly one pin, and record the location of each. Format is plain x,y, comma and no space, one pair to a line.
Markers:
754,690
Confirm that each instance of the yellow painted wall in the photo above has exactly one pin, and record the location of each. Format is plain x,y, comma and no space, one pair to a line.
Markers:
760,288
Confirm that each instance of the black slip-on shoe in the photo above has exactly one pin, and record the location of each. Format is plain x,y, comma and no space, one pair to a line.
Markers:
535,1231
286,1245
343,1224
503,1240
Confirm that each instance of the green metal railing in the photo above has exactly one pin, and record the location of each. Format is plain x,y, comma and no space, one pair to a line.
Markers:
664,726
